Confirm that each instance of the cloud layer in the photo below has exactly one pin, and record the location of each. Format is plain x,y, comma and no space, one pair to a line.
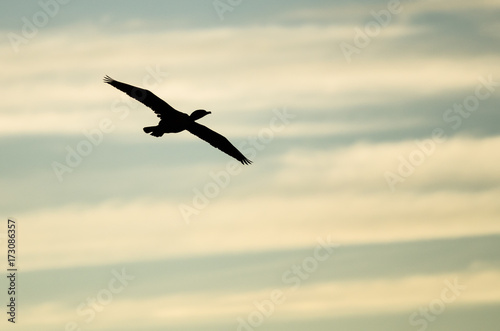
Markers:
389,151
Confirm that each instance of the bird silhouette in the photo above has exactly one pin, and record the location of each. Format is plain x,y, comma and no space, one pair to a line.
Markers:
174,121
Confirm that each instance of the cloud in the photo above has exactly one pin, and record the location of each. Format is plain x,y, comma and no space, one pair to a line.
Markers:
339,299
294,220
323,175
228,70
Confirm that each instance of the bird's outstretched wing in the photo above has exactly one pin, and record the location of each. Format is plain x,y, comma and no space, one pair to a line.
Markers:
217,140
160,107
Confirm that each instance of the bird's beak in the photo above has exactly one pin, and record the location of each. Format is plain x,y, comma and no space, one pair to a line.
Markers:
209,112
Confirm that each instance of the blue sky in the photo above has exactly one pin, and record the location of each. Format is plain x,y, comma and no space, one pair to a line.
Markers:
372,202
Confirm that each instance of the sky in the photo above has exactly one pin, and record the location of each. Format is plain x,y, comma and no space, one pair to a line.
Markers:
371,203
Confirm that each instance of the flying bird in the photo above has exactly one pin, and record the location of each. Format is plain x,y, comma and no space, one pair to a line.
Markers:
174,121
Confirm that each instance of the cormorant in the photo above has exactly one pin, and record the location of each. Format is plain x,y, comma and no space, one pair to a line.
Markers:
173,121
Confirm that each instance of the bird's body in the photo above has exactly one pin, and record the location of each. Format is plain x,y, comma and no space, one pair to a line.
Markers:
174,121
169,126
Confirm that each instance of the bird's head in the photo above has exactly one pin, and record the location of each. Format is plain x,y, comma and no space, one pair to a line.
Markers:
199,113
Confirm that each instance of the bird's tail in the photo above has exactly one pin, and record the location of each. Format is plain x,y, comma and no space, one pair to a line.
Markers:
149,129
153,131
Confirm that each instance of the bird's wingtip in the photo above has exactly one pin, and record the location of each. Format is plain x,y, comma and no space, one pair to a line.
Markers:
107,79
246,161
